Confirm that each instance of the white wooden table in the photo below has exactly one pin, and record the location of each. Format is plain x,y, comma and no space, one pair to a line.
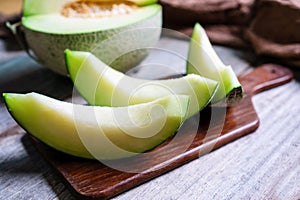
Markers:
261,165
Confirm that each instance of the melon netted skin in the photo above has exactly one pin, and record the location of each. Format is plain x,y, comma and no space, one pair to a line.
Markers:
122,48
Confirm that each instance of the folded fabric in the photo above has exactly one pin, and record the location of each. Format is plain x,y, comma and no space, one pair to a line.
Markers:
187,12
269,27
275,30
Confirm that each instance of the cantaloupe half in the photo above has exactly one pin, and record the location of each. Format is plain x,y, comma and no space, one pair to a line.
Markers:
98,132
117,31
102,85
203,60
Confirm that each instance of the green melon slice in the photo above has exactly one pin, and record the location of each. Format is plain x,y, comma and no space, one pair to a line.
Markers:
118,32
203,60
102,85
98,132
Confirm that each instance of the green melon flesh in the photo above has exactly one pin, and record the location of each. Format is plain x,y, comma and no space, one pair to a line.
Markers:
98,132
101,85
36,7
55,23
119,40
203,60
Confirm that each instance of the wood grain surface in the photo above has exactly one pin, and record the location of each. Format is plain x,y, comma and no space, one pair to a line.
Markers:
261,165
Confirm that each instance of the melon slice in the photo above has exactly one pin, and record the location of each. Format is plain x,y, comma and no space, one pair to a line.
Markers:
118,32
98,132
102,85
203,60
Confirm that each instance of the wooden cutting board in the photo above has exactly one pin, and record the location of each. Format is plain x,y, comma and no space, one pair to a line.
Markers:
211,129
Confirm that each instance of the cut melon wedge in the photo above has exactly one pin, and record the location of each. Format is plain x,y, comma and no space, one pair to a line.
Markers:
102,85
203,60
98,132
118,32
